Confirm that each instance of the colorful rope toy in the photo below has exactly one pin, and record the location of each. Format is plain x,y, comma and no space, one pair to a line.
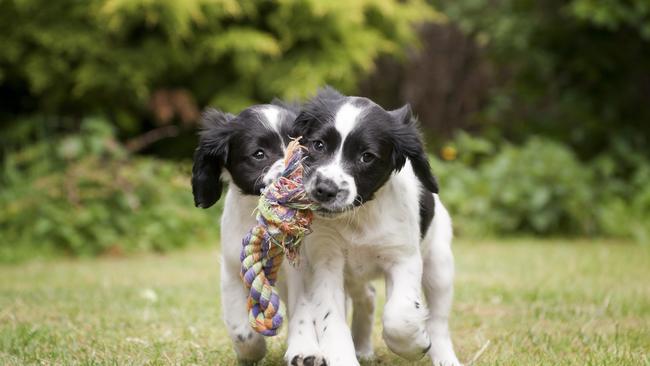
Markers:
284,213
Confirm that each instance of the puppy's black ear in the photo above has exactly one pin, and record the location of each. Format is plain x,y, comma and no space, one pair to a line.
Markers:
210,157
408,144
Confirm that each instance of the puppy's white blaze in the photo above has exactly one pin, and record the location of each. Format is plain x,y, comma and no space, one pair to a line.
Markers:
346,119
271,114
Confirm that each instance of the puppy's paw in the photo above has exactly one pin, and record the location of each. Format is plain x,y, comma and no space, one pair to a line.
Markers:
304,351
250,347
411,343
442,352
365,355
310,360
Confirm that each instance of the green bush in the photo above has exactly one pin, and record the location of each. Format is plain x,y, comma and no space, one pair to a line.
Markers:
623,208
539,188
572,70
83,195
69,58
542,188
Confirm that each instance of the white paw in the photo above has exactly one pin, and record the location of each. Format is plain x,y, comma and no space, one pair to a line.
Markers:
304,351
308,360
442,352
411,342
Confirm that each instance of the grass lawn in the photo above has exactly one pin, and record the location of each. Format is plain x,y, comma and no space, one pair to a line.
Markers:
520,302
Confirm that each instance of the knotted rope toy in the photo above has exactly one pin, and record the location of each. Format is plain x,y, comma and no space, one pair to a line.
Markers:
284,214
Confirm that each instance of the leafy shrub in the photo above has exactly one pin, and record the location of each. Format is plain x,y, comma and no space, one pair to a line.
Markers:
628,217
623,208
70,58
542,188
574,70
83,195
538,188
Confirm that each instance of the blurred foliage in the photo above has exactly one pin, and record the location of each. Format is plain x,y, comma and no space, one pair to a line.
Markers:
624,203
83,195
540,188
566,117
576,71
71,59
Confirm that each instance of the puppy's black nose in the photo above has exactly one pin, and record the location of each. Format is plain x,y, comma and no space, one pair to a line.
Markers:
325,190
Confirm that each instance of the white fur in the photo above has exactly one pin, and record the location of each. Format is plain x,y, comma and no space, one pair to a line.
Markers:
379,238
343,180
271,113
346,119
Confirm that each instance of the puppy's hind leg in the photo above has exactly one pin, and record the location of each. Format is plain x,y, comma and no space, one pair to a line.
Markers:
437,281
249,345
363,305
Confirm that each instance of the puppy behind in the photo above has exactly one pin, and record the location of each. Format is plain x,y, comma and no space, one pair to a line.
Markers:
246,151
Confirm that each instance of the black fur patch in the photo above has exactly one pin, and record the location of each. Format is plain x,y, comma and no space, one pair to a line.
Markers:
427,210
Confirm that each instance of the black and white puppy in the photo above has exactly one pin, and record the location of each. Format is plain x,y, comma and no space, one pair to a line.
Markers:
247,151
368,170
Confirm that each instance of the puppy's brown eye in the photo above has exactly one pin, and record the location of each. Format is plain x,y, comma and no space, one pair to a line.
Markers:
318,145
259,155
367,157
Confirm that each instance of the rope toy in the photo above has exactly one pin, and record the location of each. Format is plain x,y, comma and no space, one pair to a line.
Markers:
284,214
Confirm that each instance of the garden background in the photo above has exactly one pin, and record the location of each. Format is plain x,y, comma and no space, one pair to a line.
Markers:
536,117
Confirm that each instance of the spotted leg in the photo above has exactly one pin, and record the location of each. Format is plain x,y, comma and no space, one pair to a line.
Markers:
303,349
404,317
324,288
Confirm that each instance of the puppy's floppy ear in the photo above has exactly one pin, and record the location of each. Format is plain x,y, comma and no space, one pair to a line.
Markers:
408,144
210,157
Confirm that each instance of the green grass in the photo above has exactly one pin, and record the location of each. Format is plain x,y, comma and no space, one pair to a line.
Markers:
523,302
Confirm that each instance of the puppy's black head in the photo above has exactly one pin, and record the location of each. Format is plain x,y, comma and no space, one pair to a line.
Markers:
249,146
354,147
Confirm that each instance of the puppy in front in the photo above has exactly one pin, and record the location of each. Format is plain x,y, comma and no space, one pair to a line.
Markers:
380,215
247,151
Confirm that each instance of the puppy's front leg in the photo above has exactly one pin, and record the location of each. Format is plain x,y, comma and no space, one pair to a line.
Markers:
405,315
303,349
249,345
327,294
